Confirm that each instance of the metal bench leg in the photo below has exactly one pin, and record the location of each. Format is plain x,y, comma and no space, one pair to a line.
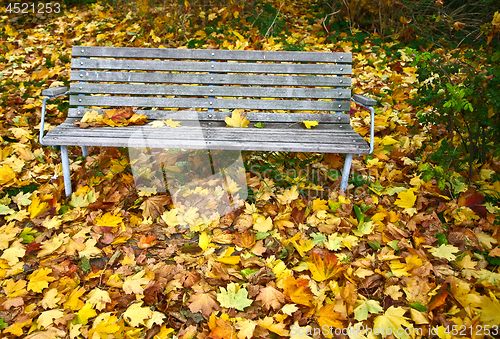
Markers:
66,172
85,151
345,173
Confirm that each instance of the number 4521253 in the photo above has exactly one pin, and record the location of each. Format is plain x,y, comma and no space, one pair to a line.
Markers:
32,8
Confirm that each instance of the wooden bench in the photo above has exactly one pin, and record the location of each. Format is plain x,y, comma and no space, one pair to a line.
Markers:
200,88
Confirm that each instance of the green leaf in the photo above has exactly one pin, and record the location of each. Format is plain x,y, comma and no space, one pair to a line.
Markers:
27,235
364,228
5,210
365,307
234,297
441,239
394,245
418,306
85,265
259,125
375,245
248,271
261,235
359,214
318,238
3,324
445,252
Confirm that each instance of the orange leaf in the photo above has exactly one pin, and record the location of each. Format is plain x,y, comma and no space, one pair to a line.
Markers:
271,298
440,298
223,330
146,241
244,240
204,303
329,318
324,269
298,291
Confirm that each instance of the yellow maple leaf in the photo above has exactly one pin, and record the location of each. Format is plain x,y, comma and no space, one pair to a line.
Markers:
171,123
91,117
15,289
104,324
278,328
52,222
37,208
398,268
46,318
52,245
50,299
170,217
490,310
204,240
136,315
85,313
394,320
108,219
237,119
406,199
89,250
157,124
138,119
164,332
17,327
263,224
320,205
132,285
445,252
156,318
7,175
13,253
39,279
245,328
309,124
288,196
73,302
227,258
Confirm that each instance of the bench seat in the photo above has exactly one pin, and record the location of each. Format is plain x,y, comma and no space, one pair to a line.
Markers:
281,131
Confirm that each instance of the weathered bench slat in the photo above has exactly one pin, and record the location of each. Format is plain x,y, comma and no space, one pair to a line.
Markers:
253,117
200,54
209,145
208,79
217,133
226,91
213,67
115,101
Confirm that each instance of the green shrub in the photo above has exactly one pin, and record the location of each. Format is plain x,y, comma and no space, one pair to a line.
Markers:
459,101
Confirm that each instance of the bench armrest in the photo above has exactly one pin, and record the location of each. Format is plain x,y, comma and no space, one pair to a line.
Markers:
55,91
364,100
367,103
50,93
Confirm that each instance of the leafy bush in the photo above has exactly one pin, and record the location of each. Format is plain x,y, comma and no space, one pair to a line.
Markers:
436,22
460,100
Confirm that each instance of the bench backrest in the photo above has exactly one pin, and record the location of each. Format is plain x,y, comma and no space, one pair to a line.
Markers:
208,79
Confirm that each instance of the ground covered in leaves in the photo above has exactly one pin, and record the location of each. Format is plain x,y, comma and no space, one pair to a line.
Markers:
402,255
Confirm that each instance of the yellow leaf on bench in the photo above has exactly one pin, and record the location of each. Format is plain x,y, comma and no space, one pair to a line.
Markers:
237,119
91,116
309,124
171,123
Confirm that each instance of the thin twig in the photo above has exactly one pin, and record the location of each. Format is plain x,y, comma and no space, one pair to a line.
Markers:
272,24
